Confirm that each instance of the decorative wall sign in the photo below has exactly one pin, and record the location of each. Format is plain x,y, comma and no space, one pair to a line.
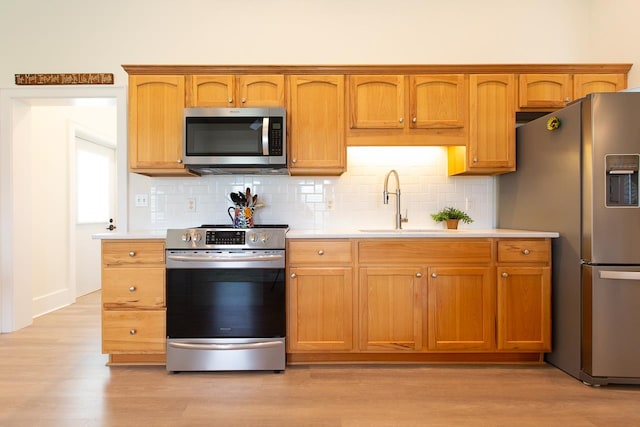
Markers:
65,79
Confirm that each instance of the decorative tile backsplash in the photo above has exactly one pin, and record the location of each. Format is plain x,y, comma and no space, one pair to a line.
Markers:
353,200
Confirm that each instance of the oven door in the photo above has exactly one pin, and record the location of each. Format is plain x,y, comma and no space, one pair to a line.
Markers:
225,303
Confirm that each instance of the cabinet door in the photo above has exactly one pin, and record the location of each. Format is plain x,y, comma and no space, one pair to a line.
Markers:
544,90
584,84
524,308
492,131
437,101
376,102
261,91
320,315
316,125
210,91
156,106
390,309
461,308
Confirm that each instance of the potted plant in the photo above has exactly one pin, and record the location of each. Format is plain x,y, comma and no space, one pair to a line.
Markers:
452,216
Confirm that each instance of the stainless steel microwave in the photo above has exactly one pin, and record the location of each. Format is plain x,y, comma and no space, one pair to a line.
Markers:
235,140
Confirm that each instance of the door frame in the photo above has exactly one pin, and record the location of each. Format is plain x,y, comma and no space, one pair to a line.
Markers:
16,299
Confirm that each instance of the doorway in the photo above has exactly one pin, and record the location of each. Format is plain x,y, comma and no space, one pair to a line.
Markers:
93,202
22,213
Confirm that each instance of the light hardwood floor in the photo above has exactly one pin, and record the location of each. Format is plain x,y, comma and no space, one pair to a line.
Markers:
52,374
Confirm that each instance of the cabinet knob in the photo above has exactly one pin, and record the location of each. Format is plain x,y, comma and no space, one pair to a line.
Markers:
434,275
526,252
415,120
132,332
475,160
243,100
294,160
418,275
293,275
132,254
567,99
132,288
229,100
505,274
179,161
401,120
320,252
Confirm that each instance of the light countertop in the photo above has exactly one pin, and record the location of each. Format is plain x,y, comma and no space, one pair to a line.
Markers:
406,233
364,234
134,235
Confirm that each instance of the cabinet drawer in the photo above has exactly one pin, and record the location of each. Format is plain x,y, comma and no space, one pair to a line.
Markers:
417,251
132,252
524,251
133,287
133,331
319,252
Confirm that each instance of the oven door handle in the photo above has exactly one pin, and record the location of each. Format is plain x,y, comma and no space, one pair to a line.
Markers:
214,346
234,258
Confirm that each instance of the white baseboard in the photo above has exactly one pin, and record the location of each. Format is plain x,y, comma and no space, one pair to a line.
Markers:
51,302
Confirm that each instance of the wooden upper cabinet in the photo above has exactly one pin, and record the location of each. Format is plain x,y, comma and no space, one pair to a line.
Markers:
316,125
156,104
548,92
544,90
491,146
376,102
584,84
429,109
438,101
235,91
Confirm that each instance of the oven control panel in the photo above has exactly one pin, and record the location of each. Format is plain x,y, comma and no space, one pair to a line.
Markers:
224,237
211,238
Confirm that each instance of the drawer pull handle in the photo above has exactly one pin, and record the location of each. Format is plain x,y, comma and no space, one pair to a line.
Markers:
132,332
132,288
132,254
434,275
526,252
505,275
294,275
321,252
418,275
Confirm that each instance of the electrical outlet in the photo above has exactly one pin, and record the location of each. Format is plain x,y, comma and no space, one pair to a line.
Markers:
330,204
142,200
191,204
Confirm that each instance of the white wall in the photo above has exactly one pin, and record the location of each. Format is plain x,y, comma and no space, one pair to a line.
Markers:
50,195
79,36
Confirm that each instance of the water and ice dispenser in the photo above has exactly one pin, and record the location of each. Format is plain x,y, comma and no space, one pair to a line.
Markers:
622,180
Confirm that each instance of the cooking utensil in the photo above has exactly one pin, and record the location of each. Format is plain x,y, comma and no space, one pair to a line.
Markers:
235,198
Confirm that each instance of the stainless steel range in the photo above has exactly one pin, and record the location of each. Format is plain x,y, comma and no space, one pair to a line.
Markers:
225,294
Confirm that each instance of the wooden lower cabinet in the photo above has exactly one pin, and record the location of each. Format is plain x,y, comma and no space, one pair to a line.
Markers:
391,308
461,307
524,295
321,309
524,308
320,296
444,300
133,302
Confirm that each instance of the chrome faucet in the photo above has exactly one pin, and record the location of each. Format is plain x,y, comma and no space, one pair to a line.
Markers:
385,197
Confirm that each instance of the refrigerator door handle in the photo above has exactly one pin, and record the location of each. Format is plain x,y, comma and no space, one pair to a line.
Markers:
620,275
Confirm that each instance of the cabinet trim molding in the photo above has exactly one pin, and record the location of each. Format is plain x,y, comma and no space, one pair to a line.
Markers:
593,68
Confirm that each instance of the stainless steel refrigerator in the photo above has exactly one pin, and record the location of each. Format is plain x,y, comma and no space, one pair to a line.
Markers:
577,174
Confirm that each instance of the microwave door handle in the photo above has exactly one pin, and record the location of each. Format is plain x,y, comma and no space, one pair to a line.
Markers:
265,136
